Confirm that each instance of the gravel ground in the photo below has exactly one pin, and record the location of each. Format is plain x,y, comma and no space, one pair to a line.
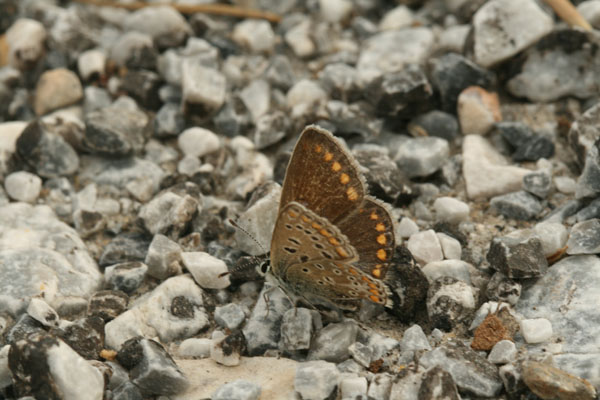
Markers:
131,136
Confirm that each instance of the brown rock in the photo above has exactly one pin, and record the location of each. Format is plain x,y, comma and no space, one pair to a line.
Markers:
56,88
489,332
549,382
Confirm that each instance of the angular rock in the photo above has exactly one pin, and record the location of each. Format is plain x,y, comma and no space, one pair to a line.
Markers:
420,157
229,349
588,184
414,339
502,28
230,316
452,73
438,383
517,205
256,35
107,304
296,329
485,171
126,277
198,142
538,183
584,132
585,238
169,214
471,372
163,258
331,343
502,288
449,209
203,89
425,247
55,89
536,330
316,379
450,303
237,390
454,268
435,123
478,110
166,26
547,381
517,257
503,352
151,368
208,271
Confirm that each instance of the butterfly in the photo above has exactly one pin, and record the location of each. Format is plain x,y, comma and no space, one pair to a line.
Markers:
332,242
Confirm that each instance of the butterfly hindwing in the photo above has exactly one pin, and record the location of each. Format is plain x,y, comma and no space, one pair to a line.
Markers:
300,235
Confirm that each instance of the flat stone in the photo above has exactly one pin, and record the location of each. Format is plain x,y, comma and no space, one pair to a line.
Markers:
457,269
230,316
331,343
173,310
41,256
571,312
206,269
547,381
499,29
519,205
584,238
353,387
296,329
485,171
471,372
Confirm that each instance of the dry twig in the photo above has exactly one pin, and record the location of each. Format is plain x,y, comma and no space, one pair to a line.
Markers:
567,11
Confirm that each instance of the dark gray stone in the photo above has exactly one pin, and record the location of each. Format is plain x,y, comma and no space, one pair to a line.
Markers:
230,316
151,368
584,132
590,211
126,277
518,257
169,120
400,93
108,304
517,205
123,248
538,183
452,73
534,148
85,336
331,343
296,329
503,289
435,123
270,129
47,153
143,86
450,303
588,184
471,372
515,133
115,131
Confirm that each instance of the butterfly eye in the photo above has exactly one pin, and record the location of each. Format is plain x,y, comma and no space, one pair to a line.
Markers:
263,268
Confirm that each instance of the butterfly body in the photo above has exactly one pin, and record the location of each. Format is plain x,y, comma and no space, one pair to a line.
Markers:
331,240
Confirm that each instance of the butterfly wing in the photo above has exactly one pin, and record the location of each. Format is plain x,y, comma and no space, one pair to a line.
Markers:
337,281
370,229
300,235
323,176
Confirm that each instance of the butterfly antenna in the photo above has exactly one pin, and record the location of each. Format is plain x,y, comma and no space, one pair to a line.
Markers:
235,225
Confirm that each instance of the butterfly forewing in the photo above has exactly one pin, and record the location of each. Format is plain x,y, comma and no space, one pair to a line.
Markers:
300,235
322,176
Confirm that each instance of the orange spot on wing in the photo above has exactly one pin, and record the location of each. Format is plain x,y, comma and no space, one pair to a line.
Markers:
318,148
375,299
372,286
352,271
374,291
328,156
366,279
381,254
292,214
381,239
305,218
340,250
374,215
334,241
336,166
380,227
352,195
316,226
344,178
324,232
376,273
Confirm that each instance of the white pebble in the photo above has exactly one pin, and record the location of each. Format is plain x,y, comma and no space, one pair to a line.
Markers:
449,209
564,184
198,142
195,348
407,227
450,247
537,330
425,247
23,186
206,269
553,236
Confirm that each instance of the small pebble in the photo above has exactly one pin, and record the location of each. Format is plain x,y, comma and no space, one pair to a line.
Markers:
449,209
23,186
537,330
425,247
